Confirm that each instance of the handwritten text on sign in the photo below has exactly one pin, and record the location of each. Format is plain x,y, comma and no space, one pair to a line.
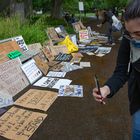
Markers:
20,124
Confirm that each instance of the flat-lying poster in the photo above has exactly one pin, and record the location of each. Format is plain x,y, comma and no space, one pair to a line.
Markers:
52,82
85,64
56,74
71,90
37,99
20,124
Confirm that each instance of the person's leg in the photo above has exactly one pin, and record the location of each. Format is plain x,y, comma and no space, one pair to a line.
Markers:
136,126
110,35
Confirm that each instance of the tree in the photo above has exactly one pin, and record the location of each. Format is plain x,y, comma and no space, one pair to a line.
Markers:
56,8
23,8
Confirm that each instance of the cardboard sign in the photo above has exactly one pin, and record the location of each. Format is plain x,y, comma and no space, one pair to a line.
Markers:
52,34
48,53
59,48
37,99
20,41
7,47
43,66
20,124
12,78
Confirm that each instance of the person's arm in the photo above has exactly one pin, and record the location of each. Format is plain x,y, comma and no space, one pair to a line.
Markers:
120,75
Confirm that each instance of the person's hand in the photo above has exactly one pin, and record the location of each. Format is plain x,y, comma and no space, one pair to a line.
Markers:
105,90
99,25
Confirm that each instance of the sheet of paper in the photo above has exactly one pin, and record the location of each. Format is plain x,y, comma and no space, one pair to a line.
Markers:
20,124
32,72
52,82
20,41
71,90
100,55
5,99
103,50
46,82
90,53
62,82
56,74
37,99
74,39
85,64
83,35
12,77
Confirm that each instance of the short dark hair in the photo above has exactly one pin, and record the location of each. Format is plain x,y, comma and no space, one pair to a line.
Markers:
132,10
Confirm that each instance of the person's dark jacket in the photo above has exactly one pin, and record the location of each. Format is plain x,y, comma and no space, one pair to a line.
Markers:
121,75
107,17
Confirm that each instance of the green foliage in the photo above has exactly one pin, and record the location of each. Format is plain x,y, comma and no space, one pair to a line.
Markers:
31,32
10,27
41,4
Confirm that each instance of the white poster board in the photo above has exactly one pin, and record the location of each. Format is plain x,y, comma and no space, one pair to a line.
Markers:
32,72
81,6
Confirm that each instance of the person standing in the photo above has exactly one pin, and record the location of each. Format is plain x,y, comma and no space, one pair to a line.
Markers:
107,18
127,67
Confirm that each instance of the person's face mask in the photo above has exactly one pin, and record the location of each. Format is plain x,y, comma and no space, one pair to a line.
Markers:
135,43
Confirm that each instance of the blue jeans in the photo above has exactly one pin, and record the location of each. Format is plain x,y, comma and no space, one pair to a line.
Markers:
136,126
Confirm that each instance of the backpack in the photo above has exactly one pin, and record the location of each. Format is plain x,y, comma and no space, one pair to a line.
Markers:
116,23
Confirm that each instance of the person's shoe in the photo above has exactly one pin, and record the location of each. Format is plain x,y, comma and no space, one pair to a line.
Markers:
110,44
113,44
120,38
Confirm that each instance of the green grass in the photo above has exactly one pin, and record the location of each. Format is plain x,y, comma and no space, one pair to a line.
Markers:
33,29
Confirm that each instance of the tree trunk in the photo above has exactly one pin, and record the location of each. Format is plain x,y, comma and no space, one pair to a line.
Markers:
23,9
28,7
56,9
